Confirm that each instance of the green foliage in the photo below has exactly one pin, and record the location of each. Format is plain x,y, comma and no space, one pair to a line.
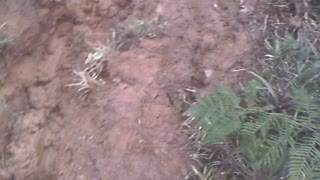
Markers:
266,137
217,112
251,90
305,159
295,62
273,126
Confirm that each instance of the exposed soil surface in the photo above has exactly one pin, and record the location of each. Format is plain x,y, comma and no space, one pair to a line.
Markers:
129,127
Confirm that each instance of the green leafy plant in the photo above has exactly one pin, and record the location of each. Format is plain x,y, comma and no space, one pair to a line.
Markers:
266,137
275,122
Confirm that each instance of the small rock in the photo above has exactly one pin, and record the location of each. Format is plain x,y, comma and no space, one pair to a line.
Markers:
116,80
208,72
123,86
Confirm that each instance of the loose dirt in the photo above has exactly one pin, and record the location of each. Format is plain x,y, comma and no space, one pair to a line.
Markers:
129,127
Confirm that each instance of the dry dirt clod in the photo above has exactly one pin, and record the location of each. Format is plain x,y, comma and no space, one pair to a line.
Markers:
5,175
123,3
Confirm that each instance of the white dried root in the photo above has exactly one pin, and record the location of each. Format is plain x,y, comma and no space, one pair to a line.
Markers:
90,76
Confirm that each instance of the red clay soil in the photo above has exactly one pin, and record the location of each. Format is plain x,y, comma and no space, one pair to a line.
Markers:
130,127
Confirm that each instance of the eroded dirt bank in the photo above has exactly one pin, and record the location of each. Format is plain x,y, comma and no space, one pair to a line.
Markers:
130,127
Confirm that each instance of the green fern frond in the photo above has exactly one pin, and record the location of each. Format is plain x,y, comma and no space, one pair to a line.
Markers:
267,138
258,126
315,168
254,133
223,99
272,153
310,77
223,126
306,104
301,164
218,114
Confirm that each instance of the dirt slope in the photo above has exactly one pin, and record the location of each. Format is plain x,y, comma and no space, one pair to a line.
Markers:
130,127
